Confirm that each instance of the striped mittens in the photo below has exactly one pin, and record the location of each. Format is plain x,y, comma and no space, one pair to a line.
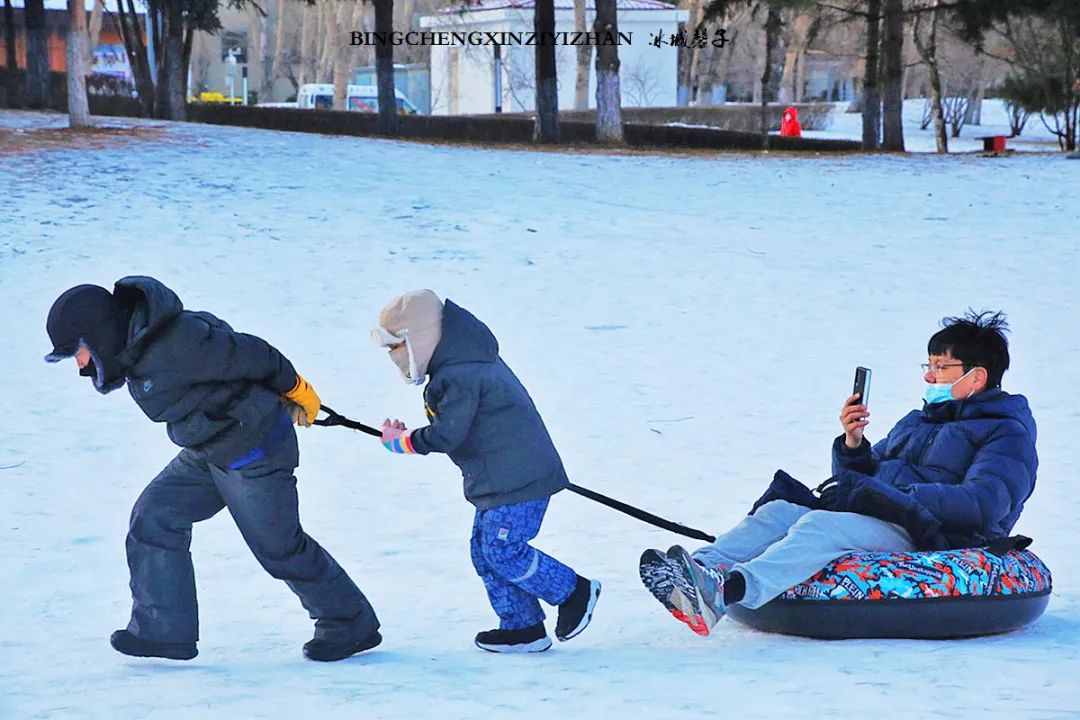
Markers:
398,441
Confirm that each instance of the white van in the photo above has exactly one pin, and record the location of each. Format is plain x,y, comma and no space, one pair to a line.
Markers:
358,98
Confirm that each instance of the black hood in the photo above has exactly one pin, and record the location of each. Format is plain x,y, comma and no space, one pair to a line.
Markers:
151,305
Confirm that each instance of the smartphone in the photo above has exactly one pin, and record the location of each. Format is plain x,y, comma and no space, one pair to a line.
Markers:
862,385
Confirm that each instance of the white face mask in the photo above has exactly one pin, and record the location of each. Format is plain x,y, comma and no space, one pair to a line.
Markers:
942,392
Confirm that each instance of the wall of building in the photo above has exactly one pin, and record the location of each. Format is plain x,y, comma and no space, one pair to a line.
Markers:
463,77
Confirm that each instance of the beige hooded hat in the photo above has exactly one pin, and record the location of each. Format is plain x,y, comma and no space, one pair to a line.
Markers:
415,319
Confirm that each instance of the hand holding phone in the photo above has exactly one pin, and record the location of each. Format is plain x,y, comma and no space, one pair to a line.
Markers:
853,417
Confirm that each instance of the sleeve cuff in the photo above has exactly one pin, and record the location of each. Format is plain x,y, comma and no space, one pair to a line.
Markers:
402,444
843,449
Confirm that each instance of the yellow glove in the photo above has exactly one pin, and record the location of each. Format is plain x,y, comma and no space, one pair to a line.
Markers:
302,402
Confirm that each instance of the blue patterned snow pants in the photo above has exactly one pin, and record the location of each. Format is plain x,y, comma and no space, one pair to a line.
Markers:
515,574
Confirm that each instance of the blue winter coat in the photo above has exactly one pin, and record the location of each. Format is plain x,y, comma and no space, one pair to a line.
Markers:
954,474
484,419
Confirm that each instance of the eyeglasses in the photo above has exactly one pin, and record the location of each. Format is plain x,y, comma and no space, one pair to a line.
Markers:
936,368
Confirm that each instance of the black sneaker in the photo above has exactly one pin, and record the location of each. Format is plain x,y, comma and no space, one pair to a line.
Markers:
125,642
658,573
329,651
576,612
532,639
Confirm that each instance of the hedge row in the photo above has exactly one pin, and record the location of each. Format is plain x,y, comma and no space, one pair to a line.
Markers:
105,96
497,129
643,126
744,117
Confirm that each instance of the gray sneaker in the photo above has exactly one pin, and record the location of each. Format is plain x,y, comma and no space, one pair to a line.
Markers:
698,594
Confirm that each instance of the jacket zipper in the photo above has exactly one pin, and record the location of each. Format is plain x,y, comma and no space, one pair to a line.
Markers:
929,442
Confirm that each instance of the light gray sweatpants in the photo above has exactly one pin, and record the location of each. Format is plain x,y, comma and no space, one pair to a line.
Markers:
783,544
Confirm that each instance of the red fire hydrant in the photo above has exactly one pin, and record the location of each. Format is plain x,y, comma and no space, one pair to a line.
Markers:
789,126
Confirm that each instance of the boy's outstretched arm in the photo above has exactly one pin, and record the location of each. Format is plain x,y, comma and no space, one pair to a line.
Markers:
453,407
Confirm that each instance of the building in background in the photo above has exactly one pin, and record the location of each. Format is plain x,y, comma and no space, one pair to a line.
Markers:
463,76
110,58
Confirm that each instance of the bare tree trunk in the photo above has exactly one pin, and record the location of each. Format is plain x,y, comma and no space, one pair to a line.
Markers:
38,93
893,47
351,14
168,30
794,57
329,23
718,59
706,75
339,70
547,87
158,23
279,42
268,46
176,70
800,73
871,114
189,40
78,105
93,33
340,76
384,68
906,61
126,22
928,51
256,50
609,127
690,55
12,62
307,45
768,90
584,55
973,115
1071,109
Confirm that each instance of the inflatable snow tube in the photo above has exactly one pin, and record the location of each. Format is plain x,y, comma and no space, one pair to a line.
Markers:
939,594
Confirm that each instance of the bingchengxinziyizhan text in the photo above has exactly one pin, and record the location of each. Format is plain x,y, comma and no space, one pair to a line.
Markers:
449,37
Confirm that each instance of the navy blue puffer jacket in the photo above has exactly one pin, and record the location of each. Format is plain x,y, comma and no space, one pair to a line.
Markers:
954,474
218,391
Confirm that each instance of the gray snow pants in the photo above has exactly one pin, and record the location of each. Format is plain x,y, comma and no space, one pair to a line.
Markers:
783,544
263,502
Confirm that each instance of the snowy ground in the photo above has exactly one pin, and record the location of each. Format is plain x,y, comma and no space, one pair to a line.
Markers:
686,326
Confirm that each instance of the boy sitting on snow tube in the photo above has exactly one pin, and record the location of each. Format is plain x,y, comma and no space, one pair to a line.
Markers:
955,474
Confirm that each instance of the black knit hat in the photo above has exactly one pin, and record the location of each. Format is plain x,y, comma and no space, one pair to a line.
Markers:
75,315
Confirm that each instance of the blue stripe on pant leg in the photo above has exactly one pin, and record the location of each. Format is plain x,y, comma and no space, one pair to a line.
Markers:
515,607
505,533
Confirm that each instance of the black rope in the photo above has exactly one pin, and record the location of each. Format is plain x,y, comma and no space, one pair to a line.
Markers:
642,515
334,419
